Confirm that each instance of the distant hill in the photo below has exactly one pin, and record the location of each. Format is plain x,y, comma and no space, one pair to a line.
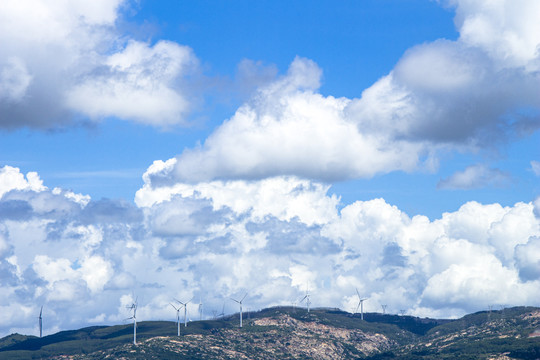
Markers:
293,333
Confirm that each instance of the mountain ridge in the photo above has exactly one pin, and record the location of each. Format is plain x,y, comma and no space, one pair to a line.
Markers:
293,333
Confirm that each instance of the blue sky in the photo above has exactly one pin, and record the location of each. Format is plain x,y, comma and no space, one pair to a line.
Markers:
354,43
320,134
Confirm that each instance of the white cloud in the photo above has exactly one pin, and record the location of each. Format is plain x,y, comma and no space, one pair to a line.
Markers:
535,165
464,95
282,197
236,215
140,84
269,238
482,280
439,67
288,129
507,30
62,59
475,177
12,179
528,259
96,271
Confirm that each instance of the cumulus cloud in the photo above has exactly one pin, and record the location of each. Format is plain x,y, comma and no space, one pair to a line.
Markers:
12,179
467,94
528,259
137,83
475,177
269,238
290,129
506,30
468,91
59,62
237,214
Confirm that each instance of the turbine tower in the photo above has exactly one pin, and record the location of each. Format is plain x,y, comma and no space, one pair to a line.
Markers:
200,309
40,322
240,303
222,310
134,317
360,305
185,310
177,317
308,301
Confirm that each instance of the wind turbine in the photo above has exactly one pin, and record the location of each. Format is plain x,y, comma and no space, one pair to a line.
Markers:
360,305
200,309
134,317
177,317
384,308
222,310
308,302
185,310
40,322
240,303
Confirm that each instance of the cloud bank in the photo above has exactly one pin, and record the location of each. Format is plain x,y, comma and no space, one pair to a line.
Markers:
249,210
85,259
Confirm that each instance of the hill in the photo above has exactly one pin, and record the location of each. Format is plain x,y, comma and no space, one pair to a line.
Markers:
289,333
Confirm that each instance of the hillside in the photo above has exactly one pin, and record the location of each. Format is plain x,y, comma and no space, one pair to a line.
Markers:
287,333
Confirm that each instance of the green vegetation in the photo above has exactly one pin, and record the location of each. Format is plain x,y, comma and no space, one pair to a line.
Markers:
289,333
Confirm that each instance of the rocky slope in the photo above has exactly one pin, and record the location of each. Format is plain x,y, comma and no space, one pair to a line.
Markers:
286,333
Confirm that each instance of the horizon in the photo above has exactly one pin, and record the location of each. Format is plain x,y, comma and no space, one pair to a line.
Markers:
175,150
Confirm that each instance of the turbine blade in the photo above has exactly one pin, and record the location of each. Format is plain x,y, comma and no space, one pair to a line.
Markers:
243,297
357,293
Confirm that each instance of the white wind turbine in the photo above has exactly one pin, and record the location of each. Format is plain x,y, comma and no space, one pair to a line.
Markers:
200,309
240,303
185,310
40,322
308,301
134,317
384,308
360,305
177,317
